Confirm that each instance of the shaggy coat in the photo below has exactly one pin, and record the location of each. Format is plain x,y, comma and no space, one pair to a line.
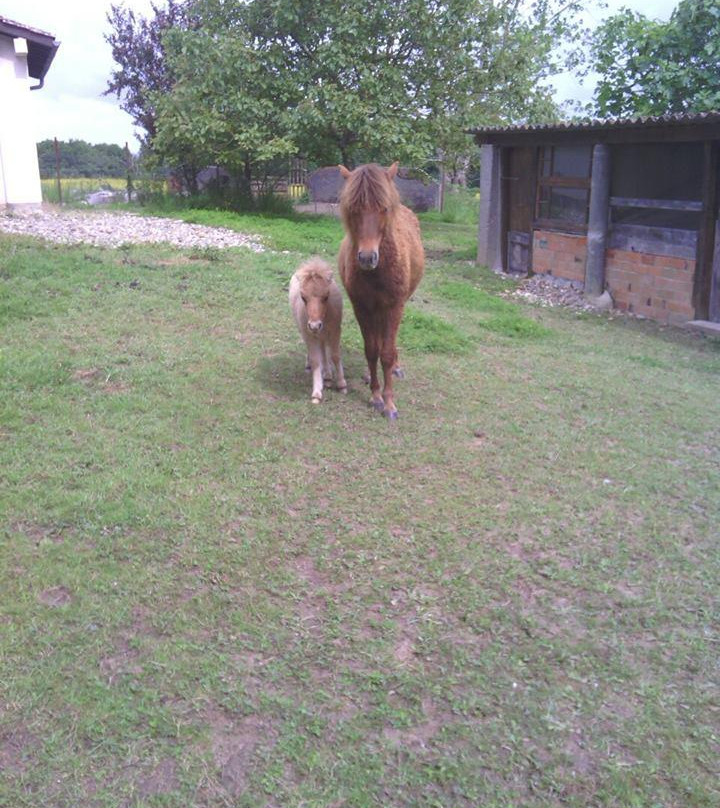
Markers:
381,262
316,303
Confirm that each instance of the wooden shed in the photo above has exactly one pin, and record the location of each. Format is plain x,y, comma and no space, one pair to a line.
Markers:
628,206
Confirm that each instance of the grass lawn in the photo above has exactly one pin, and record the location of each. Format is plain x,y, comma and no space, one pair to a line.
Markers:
217,594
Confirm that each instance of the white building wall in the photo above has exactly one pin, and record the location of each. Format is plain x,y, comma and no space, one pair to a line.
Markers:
19,171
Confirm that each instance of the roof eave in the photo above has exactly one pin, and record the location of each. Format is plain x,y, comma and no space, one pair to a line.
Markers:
42,46
669,127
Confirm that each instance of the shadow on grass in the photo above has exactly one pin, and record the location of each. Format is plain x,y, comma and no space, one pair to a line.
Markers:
284,376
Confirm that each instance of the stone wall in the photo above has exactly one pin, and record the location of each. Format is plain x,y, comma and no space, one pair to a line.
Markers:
325,185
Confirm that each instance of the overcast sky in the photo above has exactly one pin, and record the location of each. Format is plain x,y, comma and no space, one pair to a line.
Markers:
71,105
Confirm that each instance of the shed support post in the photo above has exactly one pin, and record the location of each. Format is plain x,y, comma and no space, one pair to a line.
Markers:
490,226
598,221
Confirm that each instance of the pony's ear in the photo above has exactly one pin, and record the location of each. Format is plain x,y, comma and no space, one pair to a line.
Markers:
392,171
345,172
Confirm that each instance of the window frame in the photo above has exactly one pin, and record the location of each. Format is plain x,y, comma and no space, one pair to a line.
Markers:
553,180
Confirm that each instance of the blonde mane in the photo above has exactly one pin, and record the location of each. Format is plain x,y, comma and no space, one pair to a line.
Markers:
368,188
314,271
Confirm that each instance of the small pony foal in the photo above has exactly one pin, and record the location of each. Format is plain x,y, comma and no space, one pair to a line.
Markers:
316,303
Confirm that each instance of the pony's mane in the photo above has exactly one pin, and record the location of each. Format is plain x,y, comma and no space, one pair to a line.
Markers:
368,188
314,270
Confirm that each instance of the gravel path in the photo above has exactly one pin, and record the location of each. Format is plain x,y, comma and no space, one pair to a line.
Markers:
105,229
549,291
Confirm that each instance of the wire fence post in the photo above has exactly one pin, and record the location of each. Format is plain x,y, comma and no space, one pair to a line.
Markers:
128,163
57,171
441,188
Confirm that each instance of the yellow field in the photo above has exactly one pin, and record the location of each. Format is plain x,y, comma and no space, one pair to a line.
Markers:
74,189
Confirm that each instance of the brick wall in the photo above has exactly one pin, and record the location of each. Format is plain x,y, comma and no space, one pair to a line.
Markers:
656,286
559,254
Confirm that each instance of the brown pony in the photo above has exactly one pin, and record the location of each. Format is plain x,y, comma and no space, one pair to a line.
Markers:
381,263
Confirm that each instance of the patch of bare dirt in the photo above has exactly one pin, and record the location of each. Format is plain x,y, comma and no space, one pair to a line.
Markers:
234,744
161,780
87,374
113,388
55,596
100,379
16,748
418,737
123,662
38,533
312,607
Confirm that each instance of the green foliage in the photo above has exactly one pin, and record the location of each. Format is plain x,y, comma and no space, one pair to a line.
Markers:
224,107
654,68
142,66
81,159
238,84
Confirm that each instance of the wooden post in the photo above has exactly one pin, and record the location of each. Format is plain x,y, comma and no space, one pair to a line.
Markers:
441,188
714,305
706,304
598,221
128,164
57,171
490,228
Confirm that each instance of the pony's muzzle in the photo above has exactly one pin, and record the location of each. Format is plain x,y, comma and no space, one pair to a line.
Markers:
315,326
368,259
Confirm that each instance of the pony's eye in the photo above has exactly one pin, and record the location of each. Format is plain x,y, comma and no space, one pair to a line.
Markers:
326,298
303,298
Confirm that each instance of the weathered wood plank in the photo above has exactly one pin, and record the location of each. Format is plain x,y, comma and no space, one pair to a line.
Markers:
656,204
654,240
702,286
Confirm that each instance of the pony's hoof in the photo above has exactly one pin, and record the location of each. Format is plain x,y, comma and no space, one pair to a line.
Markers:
316,399
391,415
398,373
378,406
342,389
366,378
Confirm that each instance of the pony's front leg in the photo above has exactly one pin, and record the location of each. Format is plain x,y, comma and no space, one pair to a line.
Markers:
389,358
376,399
372,353
315,358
